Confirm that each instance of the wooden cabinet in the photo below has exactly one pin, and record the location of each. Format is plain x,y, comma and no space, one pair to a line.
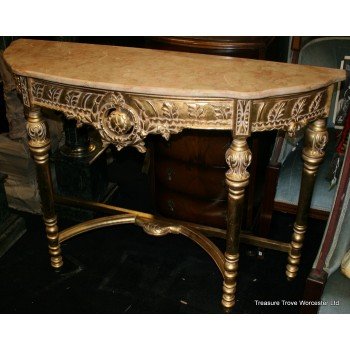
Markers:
189,170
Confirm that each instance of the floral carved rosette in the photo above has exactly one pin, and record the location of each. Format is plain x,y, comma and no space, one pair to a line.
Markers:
119,123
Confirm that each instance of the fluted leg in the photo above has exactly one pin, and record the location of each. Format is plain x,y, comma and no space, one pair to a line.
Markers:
238,157
316,137
39,144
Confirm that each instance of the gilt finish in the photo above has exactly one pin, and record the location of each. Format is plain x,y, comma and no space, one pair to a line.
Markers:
125,119
238,158
128,93
316,138
159,228
39,144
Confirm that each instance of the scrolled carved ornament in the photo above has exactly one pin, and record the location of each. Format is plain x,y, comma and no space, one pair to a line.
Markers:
125,119
157,228
36,131
290,113
238,157
318,143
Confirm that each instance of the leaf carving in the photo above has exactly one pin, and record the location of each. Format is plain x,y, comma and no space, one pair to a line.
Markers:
37,90
222,112
276,112
54,94
315,104
298,107
169,110
72,97
196,111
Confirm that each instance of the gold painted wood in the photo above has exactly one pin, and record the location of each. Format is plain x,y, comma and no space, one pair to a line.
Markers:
246,237
39,145
238,158
316,138
126,119
159,227
95,224
127,94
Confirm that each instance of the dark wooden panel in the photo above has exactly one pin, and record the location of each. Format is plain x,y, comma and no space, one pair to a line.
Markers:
191,179
183,207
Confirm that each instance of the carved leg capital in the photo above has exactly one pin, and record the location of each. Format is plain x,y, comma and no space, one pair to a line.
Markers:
316,138
38,140
238,158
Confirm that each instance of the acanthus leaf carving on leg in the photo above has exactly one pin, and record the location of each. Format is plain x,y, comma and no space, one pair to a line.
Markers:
238,157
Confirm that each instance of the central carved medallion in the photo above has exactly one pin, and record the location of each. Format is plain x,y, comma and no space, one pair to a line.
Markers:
120,122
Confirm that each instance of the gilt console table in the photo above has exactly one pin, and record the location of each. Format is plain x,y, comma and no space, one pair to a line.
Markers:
128,93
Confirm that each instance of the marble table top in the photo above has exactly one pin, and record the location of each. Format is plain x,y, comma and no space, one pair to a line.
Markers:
167,73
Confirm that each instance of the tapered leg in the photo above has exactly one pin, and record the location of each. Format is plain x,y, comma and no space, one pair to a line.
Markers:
238,157
39,144
316,138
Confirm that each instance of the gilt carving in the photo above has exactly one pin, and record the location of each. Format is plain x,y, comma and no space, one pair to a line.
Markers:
276,112
290,114
22,88
125,119
298,107
316,102
36,131
243,117
319,141
157,228
238,157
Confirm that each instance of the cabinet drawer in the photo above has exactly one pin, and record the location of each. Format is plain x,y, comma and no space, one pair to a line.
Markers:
195,147
182,207
191,179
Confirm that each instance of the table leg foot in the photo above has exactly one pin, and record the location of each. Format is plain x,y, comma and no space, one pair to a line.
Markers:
230,276
295,252
54,247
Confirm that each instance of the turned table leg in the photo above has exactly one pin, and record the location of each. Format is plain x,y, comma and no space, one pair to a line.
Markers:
39,144
316,137
238,157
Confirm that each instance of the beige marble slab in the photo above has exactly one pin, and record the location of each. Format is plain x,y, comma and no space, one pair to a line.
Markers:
162,72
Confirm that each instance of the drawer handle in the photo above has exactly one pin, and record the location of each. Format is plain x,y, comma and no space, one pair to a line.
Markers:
171,205
170,173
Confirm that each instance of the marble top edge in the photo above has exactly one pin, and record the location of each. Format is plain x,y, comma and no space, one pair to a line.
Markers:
175,93
168,73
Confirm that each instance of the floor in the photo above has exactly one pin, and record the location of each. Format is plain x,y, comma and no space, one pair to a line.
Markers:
122,270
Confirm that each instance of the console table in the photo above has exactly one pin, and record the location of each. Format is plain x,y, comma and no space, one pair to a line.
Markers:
128,93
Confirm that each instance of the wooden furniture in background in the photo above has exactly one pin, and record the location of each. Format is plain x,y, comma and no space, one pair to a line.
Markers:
189,169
